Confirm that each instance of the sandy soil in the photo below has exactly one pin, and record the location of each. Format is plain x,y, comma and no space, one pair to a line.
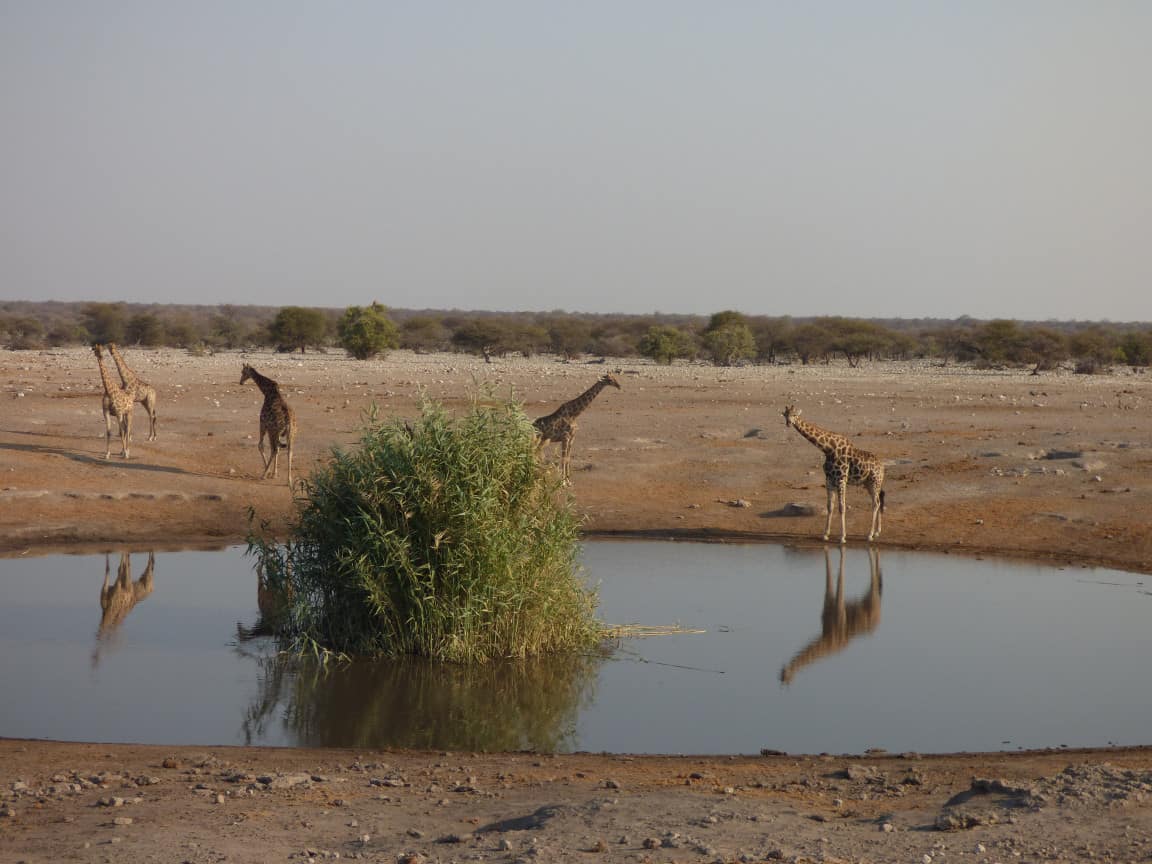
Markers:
983,463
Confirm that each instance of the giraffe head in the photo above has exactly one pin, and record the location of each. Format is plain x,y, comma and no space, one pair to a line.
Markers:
247,373
98,350
791,412
610,380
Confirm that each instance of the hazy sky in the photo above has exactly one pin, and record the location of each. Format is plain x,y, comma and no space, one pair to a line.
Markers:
869,159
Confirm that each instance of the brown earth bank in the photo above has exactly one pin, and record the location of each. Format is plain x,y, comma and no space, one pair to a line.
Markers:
1050,467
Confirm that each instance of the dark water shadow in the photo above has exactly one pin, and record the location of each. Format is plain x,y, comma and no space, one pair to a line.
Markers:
530,704
118,598
88,459
841,620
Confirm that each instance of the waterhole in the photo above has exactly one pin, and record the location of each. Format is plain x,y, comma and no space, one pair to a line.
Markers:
801,650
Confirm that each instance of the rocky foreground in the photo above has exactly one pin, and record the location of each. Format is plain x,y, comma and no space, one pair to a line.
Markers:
135,804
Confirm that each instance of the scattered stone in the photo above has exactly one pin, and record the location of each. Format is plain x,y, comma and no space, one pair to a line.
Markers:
961,821
285,781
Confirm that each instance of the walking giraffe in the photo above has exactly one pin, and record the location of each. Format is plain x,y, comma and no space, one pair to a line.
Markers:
141,391
560,425
843,464
116,403
276,421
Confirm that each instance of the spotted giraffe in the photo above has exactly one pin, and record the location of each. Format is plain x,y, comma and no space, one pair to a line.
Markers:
560,425
277,421
843,464
142,391
840,620
117,403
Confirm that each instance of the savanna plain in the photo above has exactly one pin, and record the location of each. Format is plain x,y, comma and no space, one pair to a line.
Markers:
1054,467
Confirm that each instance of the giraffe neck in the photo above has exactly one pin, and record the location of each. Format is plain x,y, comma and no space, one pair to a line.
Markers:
822,438
267,386
126,375
106,377
573,408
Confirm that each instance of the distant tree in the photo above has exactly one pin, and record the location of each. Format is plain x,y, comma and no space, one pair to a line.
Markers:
184,331
424,333
145,328
1136,348
66,333
483,336
811,342
298,327
23,332
568,336
1093,349
226,329
104,322
856,339
728,339
367,332
773,337
664,344
1045,348
1000,341
902,345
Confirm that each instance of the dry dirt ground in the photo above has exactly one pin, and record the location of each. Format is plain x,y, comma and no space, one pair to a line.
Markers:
1050,467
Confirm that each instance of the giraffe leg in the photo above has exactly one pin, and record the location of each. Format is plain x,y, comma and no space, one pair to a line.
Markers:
264,458
828,523
289,460
874,531
150,406
273,464
843,494
126,432
107,436
566,458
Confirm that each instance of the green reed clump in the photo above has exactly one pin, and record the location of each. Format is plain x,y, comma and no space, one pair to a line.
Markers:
441,538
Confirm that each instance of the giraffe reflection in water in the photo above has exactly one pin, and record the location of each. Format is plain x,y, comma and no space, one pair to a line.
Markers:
120,598
841,621
272,601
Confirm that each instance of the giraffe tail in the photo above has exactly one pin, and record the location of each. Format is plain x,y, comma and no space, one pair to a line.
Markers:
881,500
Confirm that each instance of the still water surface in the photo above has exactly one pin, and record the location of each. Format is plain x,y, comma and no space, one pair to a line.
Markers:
803,650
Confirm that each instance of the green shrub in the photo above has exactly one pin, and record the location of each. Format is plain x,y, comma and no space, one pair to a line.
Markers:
367,332
444,538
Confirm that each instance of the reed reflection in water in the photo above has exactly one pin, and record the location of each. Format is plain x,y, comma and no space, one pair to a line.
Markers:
120,598
841,621
530,704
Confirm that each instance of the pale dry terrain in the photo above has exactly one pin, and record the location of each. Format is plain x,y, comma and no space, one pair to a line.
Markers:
1054,466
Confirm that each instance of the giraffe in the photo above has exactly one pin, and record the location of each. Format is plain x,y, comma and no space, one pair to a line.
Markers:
117,403
843,464
560,425
141,391
276,421
840,621
120,598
